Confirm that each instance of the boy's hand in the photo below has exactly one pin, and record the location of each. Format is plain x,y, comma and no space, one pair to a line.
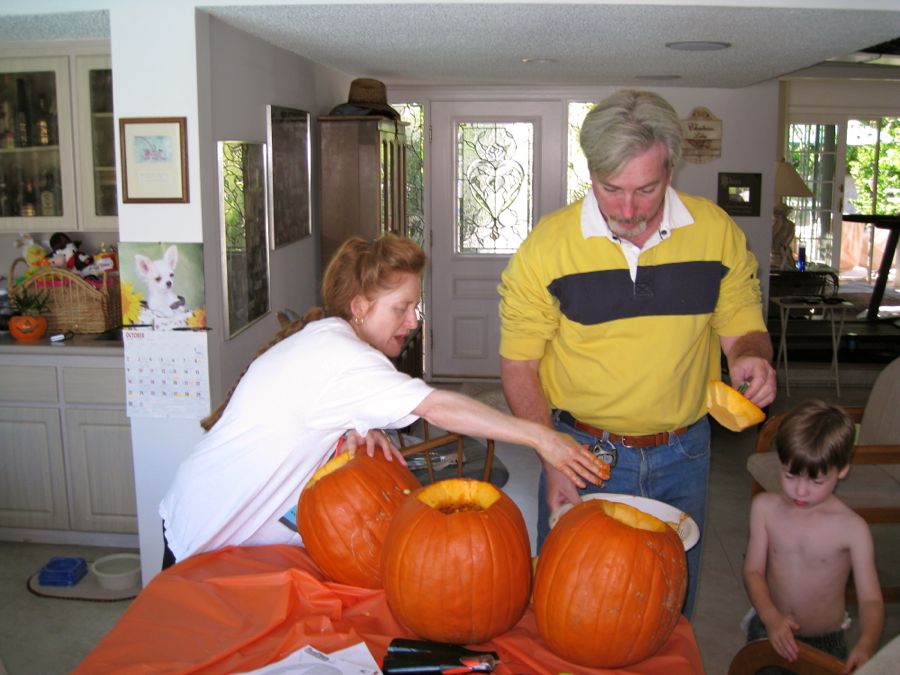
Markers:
857,657
781,635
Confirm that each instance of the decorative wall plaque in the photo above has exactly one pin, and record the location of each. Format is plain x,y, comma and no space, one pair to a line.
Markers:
702,136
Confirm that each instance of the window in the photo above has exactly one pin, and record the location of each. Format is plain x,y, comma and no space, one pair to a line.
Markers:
494,186
851,166
578,178
812,150
414,116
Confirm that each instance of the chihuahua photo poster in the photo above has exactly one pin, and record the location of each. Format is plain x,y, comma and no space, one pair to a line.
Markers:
162,285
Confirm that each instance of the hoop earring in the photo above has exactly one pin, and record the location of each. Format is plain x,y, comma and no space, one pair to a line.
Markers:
358,321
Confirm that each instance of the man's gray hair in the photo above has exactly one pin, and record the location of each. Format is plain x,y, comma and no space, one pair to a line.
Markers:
624,125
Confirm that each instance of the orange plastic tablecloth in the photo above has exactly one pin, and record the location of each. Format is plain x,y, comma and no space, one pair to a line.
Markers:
241,608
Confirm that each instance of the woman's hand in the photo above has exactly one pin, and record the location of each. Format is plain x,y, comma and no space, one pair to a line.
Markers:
374,438
572,459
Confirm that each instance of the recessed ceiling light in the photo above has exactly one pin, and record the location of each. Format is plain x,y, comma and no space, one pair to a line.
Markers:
698,45
658,77
539,59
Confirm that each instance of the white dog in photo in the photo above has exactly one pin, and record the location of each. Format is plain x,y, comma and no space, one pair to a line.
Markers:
159,276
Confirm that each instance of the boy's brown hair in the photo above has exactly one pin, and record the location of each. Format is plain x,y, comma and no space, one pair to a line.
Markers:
815,437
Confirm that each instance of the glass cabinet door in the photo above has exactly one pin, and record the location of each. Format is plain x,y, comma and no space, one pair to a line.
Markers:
96,138
36,178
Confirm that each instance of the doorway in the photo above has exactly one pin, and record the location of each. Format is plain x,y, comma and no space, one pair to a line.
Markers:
496,168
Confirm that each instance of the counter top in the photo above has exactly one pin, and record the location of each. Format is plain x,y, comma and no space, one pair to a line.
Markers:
79,345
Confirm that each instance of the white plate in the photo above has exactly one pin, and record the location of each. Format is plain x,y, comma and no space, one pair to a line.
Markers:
687,527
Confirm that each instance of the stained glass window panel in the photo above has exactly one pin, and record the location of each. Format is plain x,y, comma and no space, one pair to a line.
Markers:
414,116
494,180
578,178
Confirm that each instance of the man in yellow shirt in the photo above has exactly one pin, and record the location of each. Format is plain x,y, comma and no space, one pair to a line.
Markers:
614,311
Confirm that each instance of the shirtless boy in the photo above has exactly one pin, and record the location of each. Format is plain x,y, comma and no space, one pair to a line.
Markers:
805,542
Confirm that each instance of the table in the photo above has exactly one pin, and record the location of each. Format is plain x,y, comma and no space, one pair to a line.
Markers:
834,313
891,223
244,607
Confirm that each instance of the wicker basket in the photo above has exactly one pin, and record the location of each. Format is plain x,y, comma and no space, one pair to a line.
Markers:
74,304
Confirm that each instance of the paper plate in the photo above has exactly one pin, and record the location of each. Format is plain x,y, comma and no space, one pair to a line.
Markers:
685,525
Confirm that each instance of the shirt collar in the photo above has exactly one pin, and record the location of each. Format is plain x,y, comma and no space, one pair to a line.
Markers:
675,215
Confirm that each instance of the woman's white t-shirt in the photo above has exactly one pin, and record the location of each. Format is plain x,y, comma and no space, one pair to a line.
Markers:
282,423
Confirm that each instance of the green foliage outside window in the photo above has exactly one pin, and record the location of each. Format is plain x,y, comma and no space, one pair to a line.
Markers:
873,159
414,116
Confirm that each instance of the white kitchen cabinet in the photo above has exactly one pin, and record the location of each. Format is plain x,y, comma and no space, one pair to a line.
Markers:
101,469
66,466
32,469
57,141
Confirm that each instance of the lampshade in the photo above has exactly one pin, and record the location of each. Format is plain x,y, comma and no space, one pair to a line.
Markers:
788,182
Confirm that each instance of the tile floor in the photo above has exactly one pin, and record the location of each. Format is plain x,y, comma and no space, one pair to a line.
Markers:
42,636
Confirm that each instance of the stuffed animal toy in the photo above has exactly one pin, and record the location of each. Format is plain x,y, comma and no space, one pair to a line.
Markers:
63,250
84,265
34,255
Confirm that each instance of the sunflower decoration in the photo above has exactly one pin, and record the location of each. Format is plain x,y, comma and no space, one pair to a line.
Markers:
131,304
197,319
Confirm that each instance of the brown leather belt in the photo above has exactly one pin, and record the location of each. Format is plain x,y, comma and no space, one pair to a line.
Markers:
648,441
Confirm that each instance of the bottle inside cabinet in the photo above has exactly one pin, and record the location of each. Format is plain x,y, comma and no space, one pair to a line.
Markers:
29,150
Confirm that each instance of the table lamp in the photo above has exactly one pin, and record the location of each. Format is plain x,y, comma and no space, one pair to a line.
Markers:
788,183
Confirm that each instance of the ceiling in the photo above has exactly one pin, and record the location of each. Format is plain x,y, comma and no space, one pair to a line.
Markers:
594,43
591,43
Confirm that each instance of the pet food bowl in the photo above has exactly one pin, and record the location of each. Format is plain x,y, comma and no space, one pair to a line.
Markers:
62,571
118,571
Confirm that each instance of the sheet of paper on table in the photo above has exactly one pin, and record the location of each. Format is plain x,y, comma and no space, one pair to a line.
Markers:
353,660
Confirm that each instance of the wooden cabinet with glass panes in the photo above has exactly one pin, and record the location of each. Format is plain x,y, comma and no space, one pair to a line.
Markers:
48,181
363,179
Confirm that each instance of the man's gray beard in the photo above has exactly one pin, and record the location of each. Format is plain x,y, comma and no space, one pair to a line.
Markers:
629,231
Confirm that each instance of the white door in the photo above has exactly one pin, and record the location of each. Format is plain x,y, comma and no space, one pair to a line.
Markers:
496,168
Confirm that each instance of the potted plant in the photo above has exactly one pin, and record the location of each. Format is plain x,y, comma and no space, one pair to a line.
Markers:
26,323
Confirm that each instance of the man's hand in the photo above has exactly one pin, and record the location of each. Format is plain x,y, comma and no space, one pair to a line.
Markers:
374,438
560,489
750,360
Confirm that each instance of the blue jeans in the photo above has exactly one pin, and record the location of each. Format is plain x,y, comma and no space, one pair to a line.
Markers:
676,473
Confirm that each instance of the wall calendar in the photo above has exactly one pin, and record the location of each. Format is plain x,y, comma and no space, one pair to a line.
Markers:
166,373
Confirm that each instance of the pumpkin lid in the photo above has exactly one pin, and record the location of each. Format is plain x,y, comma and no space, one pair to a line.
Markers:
730,408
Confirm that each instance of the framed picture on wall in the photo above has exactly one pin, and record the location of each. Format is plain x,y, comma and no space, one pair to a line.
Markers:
287,135
738,193
154,159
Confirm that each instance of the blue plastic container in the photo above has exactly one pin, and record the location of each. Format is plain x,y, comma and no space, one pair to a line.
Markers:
62,571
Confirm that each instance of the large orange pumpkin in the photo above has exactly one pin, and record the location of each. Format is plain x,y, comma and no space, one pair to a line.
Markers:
609,585
457,562
344,513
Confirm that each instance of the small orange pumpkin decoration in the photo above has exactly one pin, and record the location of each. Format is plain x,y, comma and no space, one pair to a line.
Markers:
344,512
457,562
26,328
609,585
730,407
